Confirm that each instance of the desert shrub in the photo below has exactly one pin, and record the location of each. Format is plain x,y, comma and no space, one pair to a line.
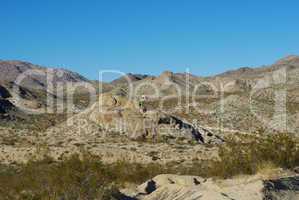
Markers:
84,176
74,178
123,172
246,157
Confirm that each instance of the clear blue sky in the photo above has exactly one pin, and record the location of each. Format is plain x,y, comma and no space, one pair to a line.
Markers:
148,36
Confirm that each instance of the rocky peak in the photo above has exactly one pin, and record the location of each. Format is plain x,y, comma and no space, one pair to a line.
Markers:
292,59
129,77
167,74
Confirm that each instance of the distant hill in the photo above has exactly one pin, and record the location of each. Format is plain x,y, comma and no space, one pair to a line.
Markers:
11,70
23,84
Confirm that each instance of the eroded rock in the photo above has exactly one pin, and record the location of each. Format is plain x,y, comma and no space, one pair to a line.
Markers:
169,187
118,114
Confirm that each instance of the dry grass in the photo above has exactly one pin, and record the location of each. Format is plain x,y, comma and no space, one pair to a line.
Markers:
267,170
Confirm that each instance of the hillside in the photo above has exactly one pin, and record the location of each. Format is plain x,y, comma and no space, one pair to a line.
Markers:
155,129
238,92
28,89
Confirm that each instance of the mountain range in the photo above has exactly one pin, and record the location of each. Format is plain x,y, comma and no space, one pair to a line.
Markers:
232,89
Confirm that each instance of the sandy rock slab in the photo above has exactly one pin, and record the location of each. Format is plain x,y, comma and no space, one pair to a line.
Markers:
170,187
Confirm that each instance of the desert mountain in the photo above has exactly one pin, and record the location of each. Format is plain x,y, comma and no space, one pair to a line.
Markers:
25,86
237,98
11,70
32,82
289,62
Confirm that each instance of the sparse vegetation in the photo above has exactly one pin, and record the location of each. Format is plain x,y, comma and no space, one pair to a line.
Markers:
248,156
84,176
75,177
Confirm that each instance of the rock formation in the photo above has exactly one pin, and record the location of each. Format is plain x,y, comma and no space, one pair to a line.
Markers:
169,187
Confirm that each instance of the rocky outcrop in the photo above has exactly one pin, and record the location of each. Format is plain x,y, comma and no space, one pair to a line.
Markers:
129,78
118,114
169,187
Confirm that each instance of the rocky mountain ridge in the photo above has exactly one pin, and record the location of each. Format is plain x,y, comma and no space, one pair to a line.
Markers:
239,90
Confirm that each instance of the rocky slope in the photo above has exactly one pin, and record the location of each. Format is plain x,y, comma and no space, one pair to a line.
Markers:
28,82
25,89
201,119
123,80
11,70
240,100
235,100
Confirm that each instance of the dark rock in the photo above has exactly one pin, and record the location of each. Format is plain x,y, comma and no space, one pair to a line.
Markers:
5,106
281,189
4,93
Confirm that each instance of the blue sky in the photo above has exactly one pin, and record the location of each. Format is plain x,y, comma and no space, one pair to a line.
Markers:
148,36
